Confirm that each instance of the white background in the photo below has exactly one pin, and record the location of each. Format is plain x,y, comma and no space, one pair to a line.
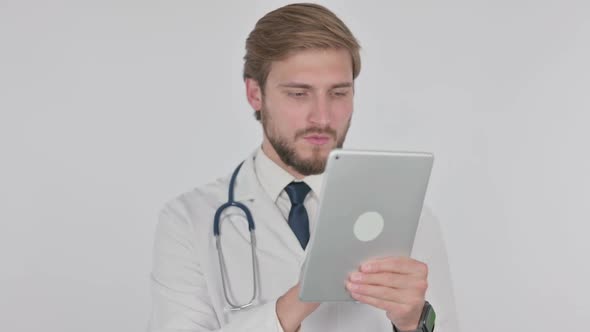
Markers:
108,109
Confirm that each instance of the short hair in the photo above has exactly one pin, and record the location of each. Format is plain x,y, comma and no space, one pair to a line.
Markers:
292,28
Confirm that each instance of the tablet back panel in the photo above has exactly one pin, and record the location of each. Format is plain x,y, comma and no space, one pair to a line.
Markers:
370,206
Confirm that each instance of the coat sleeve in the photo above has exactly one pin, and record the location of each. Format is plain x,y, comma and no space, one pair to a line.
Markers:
430,248
180,299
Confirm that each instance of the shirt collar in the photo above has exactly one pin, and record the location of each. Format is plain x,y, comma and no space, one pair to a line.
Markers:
274,178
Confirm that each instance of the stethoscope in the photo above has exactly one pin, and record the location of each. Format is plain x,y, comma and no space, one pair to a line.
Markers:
231,203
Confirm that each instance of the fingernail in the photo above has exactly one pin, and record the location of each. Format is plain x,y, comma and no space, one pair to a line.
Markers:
367,267
356,276
352,286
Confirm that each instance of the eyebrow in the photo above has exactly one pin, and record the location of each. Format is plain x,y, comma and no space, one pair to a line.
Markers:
309,87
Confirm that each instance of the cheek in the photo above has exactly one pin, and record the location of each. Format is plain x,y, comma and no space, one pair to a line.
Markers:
342,112
284,120
290,113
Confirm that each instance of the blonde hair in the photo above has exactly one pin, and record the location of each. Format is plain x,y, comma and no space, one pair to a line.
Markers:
292,28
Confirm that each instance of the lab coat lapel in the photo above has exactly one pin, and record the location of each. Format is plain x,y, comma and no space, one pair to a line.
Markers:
273,234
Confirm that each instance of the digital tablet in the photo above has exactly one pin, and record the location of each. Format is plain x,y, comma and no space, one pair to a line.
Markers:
370,206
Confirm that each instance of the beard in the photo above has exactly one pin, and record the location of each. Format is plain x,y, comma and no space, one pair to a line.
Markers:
287,152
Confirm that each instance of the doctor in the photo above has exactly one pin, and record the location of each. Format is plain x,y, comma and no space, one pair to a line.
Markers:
300,65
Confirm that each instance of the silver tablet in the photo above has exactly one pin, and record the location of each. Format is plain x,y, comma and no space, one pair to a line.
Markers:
370,206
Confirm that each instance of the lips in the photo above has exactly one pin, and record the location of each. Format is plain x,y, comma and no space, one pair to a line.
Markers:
317,139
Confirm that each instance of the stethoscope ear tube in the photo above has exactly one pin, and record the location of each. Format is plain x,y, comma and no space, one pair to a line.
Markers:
217,234
231,202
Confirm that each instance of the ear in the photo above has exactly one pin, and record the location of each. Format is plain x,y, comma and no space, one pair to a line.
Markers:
254,94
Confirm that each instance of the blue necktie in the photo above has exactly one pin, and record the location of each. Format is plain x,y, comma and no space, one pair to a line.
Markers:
298,219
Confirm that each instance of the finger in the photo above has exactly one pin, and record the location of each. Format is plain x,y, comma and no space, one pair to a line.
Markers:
388,279
375,302
394,309
400,296
401,265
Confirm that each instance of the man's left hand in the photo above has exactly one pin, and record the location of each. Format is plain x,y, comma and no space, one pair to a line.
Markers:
395,284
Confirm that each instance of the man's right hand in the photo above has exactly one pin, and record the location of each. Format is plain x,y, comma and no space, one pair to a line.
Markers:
291,311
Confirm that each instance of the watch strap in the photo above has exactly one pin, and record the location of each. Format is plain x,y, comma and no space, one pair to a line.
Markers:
426,322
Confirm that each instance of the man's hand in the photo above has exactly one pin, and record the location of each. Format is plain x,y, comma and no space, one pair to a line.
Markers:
395,284
291,311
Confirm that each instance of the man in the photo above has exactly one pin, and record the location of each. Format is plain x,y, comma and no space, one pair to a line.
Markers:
300,65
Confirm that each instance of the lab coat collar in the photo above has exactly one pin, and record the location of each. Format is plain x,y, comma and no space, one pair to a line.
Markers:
247,186
247,190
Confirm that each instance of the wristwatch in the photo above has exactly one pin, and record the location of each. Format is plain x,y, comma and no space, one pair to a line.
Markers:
426,322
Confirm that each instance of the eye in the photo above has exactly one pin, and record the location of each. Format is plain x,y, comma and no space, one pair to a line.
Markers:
340,93
297,94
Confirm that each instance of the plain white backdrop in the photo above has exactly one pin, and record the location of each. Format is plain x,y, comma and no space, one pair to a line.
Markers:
108,109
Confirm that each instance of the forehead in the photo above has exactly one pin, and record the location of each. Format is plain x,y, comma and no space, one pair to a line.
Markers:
315,67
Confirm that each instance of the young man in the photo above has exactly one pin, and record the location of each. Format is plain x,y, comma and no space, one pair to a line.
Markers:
300,65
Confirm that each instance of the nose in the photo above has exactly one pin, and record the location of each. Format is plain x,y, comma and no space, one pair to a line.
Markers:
320,112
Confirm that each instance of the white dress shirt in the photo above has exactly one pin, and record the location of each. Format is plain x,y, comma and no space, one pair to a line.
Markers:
186,281
274,179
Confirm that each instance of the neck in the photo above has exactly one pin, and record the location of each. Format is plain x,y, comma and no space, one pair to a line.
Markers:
270,152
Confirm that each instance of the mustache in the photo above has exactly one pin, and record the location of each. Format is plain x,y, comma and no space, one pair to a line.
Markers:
316,130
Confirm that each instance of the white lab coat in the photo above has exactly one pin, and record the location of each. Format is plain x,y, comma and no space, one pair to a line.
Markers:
187,291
